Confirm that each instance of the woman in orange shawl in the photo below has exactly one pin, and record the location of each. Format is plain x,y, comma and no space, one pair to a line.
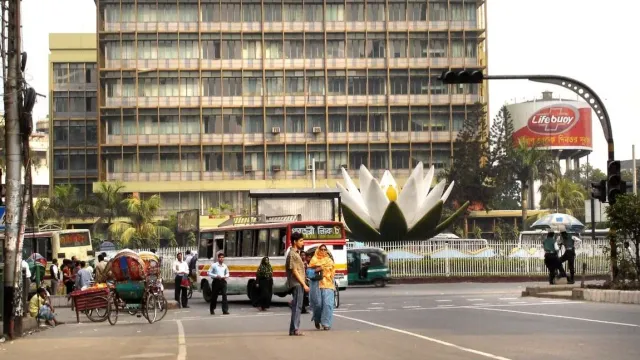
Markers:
323,309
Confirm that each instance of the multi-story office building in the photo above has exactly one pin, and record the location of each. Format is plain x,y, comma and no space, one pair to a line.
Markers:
203,100
73,85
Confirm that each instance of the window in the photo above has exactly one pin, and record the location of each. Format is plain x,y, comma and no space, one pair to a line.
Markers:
397,45
76,102
375,11
400,158
357,82
438,11
251,13
76,73
296,160
399,119
263,242
231,83
294,84
336,82
295,123
293,12
355,12
60,133
399,82
210,12
314,47
230,243
397,11
91,104
251,48
273,48
356,46
358,120
335,46
272,12
417,11
91,74
377,82
335,12
211,50
377,119
60,101
376,46
358,155
293,47
77,133
313,12
60,73
92,133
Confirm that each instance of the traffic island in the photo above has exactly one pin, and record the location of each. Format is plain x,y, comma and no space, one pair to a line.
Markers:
611,296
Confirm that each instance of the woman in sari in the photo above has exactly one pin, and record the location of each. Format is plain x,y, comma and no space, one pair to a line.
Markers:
264,281
323,304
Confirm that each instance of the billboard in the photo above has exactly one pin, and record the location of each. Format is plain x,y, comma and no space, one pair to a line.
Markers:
555,124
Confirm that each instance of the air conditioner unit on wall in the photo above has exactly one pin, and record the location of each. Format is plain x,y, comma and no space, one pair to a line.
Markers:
275,130
317,129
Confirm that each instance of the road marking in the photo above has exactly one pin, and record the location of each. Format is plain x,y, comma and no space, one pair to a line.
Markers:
375,308
475,299
146,356
561,317
481,304
347,304
404,332
518,302
552,301
182,344
443,300
377,303
412,307
504,299
444,306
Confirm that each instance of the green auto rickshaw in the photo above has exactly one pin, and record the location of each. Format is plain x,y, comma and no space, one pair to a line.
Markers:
368,265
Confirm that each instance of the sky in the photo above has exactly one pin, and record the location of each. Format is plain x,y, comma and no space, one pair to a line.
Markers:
574,38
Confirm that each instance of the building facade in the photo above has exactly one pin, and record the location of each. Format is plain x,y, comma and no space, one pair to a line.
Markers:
73,111
201,101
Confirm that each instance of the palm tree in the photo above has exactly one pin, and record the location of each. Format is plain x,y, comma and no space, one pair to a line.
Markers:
65,204
528,162
41,212
563,195
141,230
106,204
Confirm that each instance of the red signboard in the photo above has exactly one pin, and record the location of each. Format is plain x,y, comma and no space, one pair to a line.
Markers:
559,125
74,239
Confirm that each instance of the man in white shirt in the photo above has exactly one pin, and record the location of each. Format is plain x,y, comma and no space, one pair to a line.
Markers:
181,270
219,273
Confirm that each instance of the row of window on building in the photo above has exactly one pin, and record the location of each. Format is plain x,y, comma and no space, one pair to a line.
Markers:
228,11
277,83
239,159
75,73
249,46
296,120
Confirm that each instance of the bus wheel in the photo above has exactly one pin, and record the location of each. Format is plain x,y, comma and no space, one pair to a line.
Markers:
206,291
251,290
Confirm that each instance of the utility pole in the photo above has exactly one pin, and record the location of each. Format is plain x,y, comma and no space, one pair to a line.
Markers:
12,246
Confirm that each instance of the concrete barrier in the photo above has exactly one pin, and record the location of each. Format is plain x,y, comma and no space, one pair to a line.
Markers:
611,296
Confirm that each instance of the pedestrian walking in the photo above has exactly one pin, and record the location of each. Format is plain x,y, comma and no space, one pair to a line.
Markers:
54,271
219,273
296,282
569,255
181,271
551,260
325,269
264,282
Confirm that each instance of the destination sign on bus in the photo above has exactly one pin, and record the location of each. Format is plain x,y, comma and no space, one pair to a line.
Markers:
319,232
74,239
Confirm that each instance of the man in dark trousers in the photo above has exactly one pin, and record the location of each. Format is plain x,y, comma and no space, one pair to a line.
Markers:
551,260
569,255
296,282
219,273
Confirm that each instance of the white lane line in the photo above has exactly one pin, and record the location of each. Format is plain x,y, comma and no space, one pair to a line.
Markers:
375,308
412,307
481,304
377,303
562,317
504,299
518,302
553,301
441,306
443,300
475,299
347,304
182,343
444,343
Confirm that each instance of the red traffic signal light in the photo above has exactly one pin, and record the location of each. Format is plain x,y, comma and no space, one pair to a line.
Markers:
462,77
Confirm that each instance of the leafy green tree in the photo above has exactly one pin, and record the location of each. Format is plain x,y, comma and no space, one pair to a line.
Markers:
468,169
65,204
584,176
106,204
564,195
624,219
528,163
507,188
141,230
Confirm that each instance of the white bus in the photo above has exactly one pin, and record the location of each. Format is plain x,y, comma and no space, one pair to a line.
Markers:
244,246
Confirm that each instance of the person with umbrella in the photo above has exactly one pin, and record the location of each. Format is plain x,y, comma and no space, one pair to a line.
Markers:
566,239
551,260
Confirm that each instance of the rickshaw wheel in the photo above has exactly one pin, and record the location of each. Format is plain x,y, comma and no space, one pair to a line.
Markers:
112,311
101,314
150,309
379,283
162,306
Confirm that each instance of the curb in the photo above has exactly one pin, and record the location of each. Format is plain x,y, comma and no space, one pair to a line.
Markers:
611,296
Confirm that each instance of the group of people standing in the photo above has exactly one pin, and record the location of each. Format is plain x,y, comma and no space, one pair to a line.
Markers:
553,262
315,277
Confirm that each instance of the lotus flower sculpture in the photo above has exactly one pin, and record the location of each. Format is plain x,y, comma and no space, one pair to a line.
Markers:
379,211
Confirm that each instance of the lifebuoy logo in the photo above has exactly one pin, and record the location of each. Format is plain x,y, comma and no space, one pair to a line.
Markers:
553,120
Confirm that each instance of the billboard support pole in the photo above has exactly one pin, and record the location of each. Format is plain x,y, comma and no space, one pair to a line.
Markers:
635,171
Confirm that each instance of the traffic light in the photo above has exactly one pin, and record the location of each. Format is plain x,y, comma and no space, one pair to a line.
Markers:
615,185
599,190
462,77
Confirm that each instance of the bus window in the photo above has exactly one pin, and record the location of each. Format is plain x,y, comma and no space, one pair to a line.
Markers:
274,242
218,239
263,237
247,243
230,243
44,248
205,248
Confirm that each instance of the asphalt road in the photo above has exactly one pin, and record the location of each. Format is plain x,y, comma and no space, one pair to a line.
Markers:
442,321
